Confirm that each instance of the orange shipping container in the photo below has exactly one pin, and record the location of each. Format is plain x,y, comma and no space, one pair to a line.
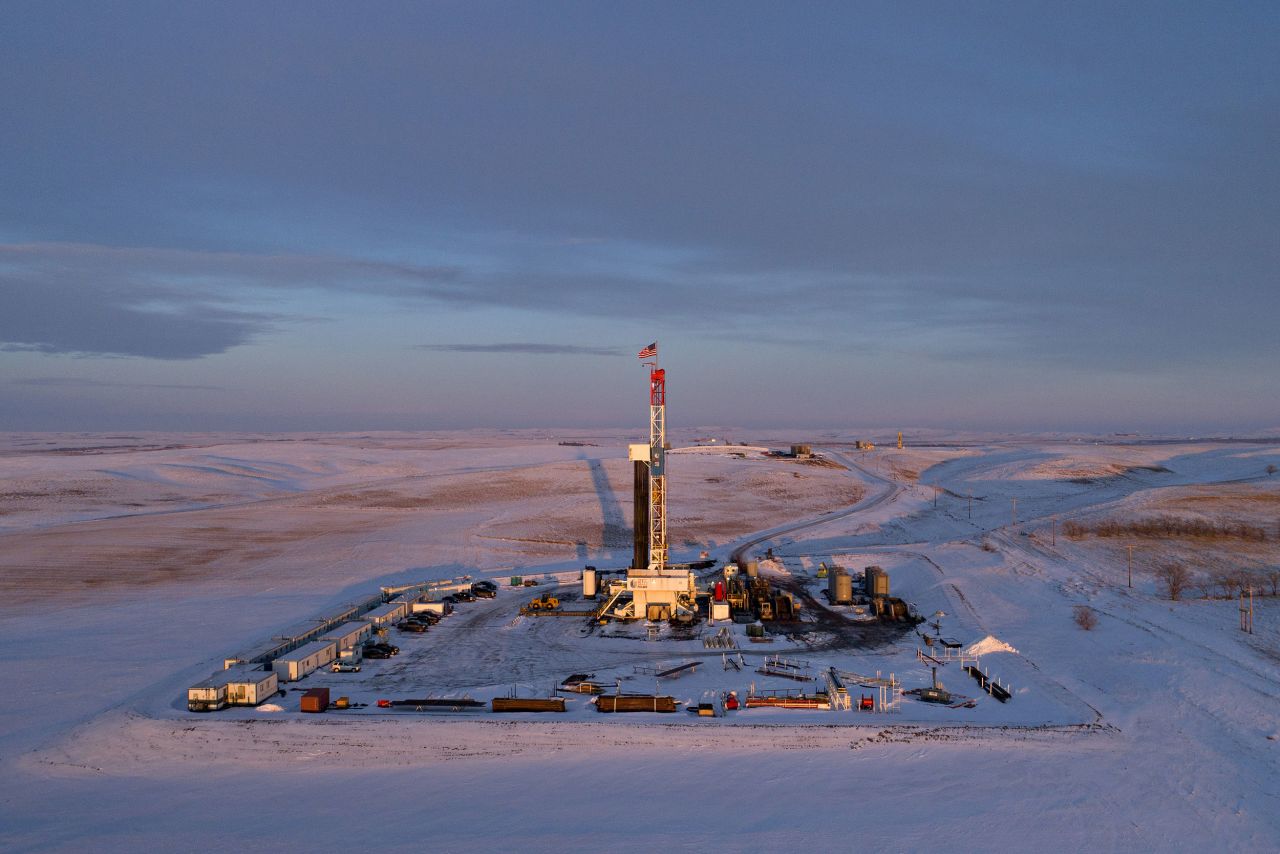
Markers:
315,700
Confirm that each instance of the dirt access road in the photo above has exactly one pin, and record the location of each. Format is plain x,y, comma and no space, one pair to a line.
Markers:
840,632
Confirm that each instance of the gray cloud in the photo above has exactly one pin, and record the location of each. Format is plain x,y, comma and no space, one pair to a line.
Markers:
28,348
523,349
180,304
167,303
68,320
95,300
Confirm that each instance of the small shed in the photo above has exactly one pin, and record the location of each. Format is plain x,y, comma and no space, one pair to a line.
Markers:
294,665
349,635
802,452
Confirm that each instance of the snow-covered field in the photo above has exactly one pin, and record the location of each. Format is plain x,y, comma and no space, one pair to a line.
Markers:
130,565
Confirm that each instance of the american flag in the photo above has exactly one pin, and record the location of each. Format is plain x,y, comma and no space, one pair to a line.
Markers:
649,352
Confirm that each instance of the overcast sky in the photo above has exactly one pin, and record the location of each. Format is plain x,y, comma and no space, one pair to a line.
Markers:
395,215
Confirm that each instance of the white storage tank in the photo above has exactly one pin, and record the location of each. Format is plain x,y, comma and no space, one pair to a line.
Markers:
876,581
349,635
589,582
840,587
294,665
719,610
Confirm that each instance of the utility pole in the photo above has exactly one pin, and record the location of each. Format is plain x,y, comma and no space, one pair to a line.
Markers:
1246,611
1130,548
935,498
1013,514
1053,531
970,504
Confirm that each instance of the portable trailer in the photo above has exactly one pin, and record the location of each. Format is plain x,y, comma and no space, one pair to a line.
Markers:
388,614
251,686
295,665
238,685
207,696
408,600
349,635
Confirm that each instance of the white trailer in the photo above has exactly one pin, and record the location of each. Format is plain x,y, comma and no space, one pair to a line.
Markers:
441,608
238,685
208,696
251,686
408,600
297,664
349,635
387,614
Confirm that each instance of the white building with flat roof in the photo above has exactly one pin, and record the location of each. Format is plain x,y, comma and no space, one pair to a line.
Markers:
292,666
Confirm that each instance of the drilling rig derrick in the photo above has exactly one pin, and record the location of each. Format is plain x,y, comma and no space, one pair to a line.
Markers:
657,468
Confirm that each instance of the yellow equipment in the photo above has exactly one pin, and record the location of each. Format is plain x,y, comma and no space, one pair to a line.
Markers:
545,602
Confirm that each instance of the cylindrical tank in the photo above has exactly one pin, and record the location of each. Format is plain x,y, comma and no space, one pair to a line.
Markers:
877,581
753,569
840,587
719,591
589,582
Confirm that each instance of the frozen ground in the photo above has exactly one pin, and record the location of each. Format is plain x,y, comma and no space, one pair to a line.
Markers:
131,565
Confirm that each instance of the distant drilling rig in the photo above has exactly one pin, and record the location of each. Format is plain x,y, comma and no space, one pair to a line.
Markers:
651,589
